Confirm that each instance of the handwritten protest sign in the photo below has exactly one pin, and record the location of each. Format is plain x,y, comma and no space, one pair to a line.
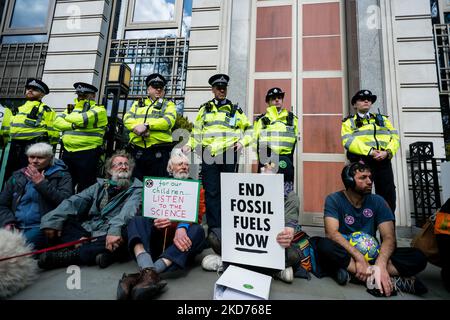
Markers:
252,216
171,198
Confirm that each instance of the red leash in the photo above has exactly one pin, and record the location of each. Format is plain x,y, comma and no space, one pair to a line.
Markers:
59,246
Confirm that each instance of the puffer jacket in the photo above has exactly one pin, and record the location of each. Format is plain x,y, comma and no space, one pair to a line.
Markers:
56,187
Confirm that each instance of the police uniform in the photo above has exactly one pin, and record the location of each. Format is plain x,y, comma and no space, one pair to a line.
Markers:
275,132
32,123
83,127
152,150
219,125
361,135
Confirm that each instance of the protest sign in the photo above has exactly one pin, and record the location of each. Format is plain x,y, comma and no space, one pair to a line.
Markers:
252,216
171,198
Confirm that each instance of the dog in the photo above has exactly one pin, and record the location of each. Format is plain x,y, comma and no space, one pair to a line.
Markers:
16,273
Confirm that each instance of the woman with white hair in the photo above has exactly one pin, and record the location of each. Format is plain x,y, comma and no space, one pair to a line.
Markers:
33,191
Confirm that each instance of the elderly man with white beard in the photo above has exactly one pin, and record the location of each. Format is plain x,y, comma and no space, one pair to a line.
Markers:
101,211
146,240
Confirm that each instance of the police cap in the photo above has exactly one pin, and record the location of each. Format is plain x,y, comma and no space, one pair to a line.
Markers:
156,80
364,94
38,85
82,87
274,92
219,79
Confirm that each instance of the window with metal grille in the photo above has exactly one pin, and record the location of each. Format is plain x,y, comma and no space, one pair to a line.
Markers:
17,63
167,56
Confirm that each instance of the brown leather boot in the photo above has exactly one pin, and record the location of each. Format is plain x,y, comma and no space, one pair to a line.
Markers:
127,283
148,286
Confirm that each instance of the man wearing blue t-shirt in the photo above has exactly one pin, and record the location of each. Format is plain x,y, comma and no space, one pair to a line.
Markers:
357,209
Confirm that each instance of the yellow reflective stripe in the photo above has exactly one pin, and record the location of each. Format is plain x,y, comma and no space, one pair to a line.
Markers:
349,142
221,134
86,134
95,118
28,134
222,123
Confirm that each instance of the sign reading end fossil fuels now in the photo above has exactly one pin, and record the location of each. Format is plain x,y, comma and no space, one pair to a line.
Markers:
252,216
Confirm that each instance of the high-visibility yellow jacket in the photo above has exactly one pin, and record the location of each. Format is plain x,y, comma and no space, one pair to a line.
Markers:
84,127
159,115
4,130
272,129
34,120
360,136
216,129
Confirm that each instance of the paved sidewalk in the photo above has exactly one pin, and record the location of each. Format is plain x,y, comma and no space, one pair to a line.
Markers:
196,284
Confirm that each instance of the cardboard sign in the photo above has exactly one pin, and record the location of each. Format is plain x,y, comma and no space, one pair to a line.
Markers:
175,199
252,216
242,284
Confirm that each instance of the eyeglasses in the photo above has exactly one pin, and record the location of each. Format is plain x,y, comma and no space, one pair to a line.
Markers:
120,164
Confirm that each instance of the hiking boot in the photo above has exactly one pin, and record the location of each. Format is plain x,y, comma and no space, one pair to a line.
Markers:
286,275
341,276
212,262
126,284
104,259
409,285
214,242
148,285
58,259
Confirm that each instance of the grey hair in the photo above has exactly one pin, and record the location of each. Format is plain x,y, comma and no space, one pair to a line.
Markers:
119,153
174,155
41,149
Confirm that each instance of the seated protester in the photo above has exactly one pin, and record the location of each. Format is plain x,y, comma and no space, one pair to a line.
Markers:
291,237
357,209
146,241
102,210
442,231
33,191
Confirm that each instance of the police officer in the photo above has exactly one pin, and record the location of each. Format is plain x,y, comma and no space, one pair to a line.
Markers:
221,130
33,122
83,126
275,134
371,138
150,122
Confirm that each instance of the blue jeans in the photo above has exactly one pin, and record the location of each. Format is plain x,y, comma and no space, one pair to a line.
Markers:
141,230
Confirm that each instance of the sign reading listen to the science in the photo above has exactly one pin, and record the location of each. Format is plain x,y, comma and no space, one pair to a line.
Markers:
171,198
252,216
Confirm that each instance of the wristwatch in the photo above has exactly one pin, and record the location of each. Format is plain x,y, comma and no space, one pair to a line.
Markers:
389,153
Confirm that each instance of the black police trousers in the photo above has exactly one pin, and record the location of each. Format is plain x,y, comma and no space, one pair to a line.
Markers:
150,162
212,167
82,167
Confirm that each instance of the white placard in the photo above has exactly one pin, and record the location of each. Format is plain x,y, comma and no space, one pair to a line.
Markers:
175,199
252,216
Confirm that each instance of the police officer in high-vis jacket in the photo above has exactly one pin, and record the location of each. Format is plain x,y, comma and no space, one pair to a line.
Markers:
83,126
221,130
371,138
150,122
33,122
275,133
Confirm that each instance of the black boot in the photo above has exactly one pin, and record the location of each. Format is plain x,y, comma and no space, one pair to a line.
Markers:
58,259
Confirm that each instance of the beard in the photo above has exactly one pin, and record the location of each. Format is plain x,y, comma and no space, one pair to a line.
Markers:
181,175
122,178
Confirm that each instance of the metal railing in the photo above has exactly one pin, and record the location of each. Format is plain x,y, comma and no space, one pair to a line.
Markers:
167,56
18,62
